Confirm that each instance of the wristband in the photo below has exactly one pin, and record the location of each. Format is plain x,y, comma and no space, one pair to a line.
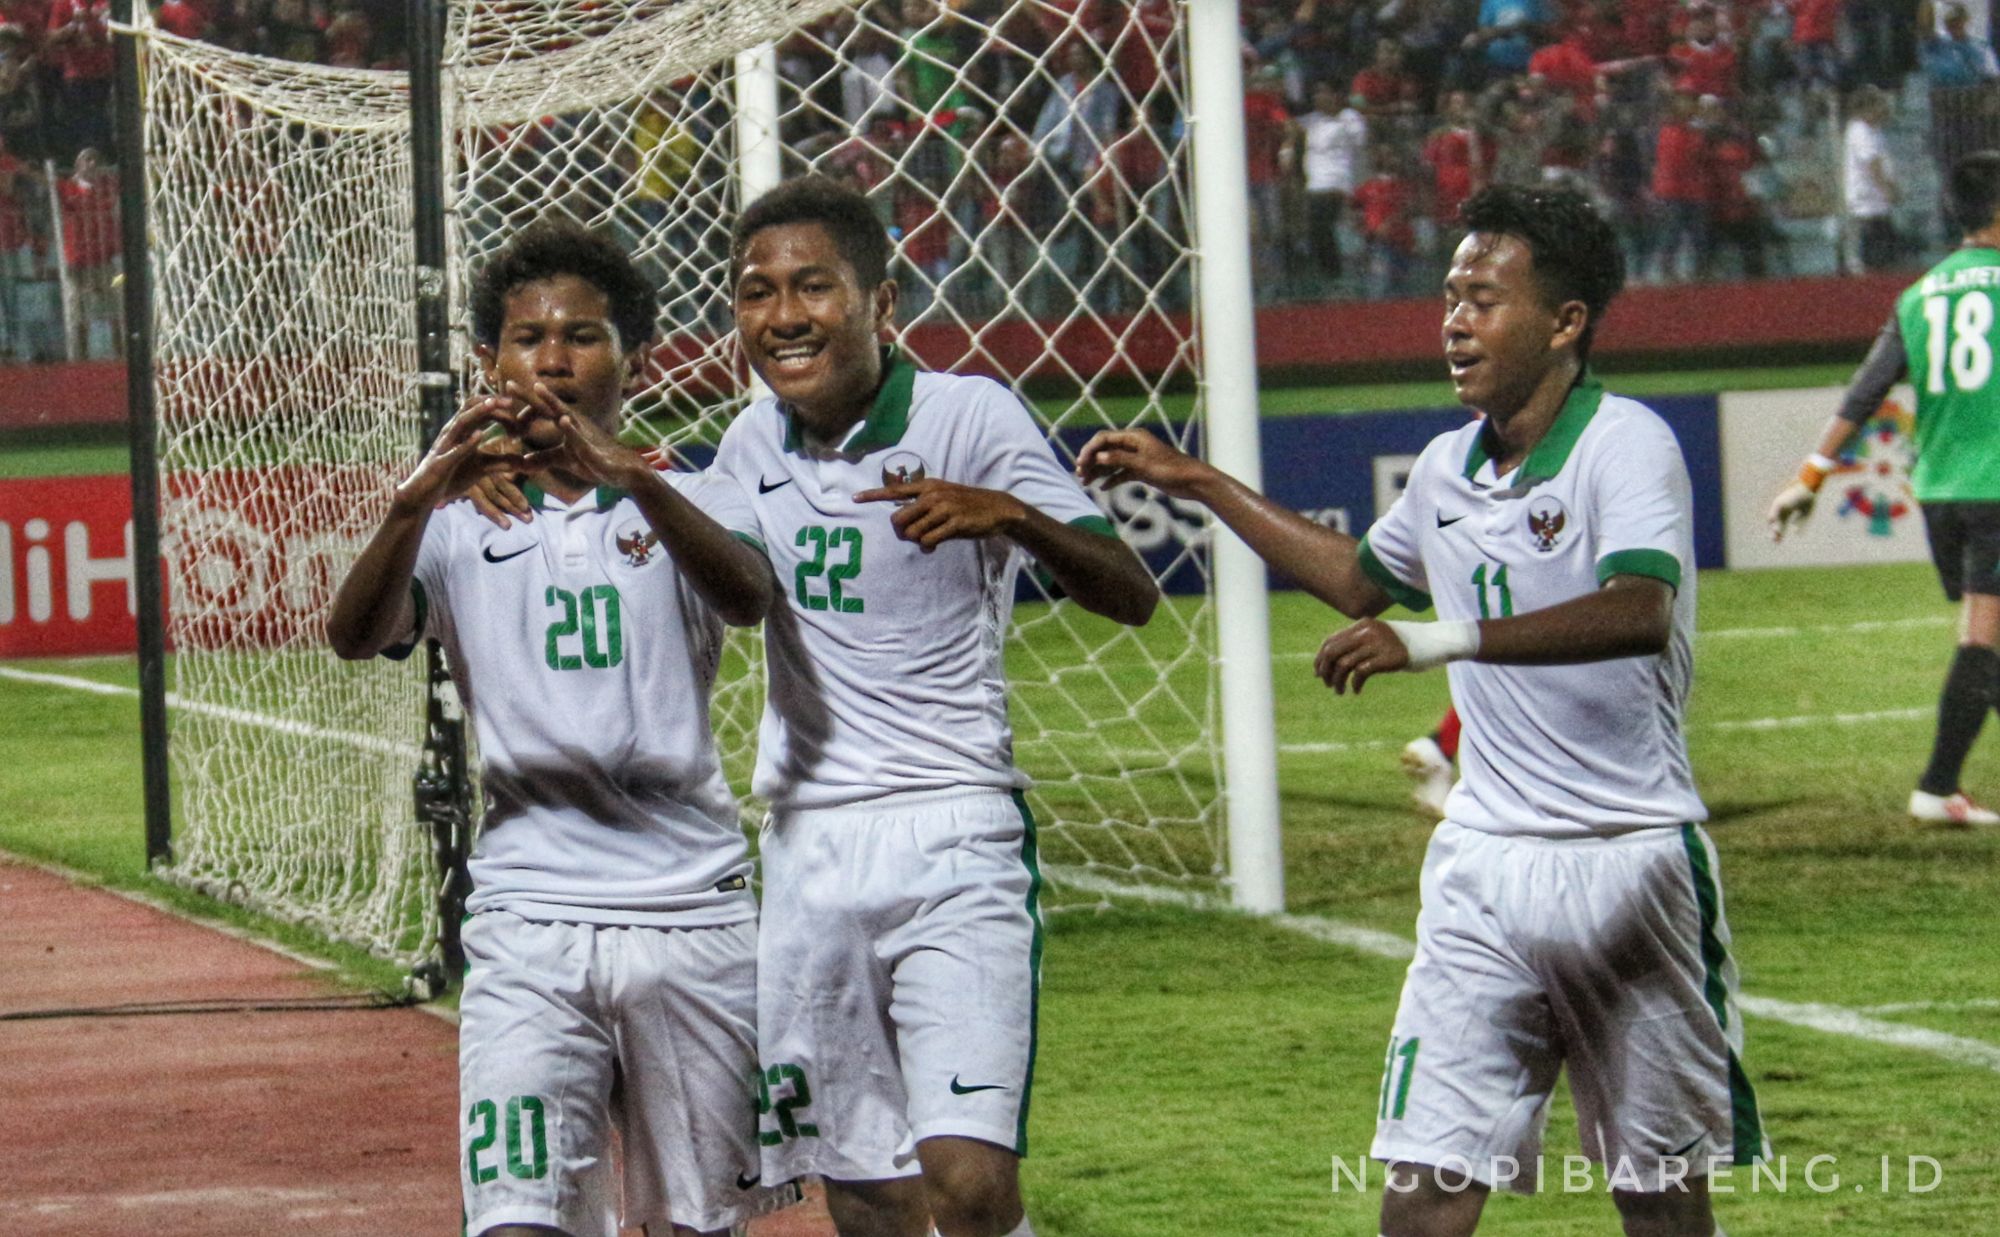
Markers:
1816,469
1434,644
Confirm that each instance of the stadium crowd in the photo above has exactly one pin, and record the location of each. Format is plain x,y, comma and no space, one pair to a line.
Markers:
1724,138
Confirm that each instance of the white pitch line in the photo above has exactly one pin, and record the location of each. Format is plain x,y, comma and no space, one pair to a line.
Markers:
1830,1019
242,717
1924,1007
1852,1023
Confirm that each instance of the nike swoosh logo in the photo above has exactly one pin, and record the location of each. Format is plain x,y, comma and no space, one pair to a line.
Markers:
490,557
748,1183
765,487
959,1089
1675,1155
1444,523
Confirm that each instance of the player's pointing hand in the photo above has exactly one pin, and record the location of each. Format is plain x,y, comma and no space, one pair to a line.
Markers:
1115,456
932,512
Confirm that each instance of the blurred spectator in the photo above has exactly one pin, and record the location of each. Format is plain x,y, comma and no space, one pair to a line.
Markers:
1429,30
1647,26
1127,202
1681,189
295,30
181,17
1815,43
1767,44
1334,138
1736,208
864,78
1885,40
1266,125
1460,156
21,114
1953,57
1528,118
27,325
1507,35
79,45
1704,61
1076,120
1960,70
349,38
1869,180
1621,172
1568,68
1387,204
89,200
1385,89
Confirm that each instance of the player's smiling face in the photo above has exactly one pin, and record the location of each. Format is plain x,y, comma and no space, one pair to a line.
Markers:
809,328
558,331
1501,335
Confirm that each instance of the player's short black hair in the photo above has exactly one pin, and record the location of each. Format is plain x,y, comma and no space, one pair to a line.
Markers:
552,247
856,230
1974,190
1576,253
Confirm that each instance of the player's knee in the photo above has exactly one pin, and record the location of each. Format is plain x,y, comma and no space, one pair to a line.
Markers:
1666,1213
1421,1201
894,1208
974,1189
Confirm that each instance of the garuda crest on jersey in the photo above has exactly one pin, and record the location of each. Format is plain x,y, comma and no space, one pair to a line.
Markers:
1546,518
637,544
902,468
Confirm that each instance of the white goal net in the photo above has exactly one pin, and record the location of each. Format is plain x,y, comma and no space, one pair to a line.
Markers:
1030,157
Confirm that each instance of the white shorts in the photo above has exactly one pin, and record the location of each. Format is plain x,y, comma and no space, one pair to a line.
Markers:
1610,955
568,1031
899,964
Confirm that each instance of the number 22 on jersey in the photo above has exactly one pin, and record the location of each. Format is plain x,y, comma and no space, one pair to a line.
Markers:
836,557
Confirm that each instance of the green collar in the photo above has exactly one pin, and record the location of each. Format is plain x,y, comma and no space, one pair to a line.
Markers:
607,496
1548,456
888,416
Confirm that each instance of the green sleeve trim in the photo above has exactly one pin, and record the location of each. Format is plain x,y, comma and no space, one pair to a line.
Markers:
750,541
398,652
1656,564
1088,523
1094,524
1405,596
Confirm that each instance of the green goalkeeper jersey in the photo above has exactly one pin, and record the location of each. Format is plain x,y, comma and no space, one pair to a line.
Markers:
1951,331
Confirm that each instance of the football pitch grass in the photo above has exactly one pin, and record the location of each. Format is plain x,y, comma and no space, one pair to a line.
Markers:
1200,1072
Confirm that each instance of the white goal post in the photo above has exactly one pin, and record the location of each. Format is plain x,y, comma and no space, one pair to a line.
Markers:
1033,159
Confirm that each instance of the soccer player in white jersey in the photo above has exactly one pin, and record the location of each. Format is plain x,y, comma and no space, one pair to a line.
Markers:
611,935
901,941
1571,912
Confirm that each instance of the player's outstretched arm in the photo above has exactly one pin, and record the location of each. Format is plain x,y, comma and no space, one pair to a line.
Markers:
372,609
1325,563
1794,503
1631,616
1886,364
731,577
1099,573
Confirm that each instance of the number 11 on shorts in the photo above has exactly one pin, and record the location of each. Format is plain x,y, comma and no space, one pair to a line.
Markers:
1396,1070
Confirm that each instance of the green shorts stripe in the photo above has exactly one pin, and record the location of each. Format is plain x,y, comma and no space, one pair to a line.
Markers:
1746,1123
1030,857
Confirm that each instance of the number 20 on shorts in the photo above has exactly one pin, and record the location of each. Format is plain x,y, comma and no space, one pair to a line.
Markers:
527,1139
